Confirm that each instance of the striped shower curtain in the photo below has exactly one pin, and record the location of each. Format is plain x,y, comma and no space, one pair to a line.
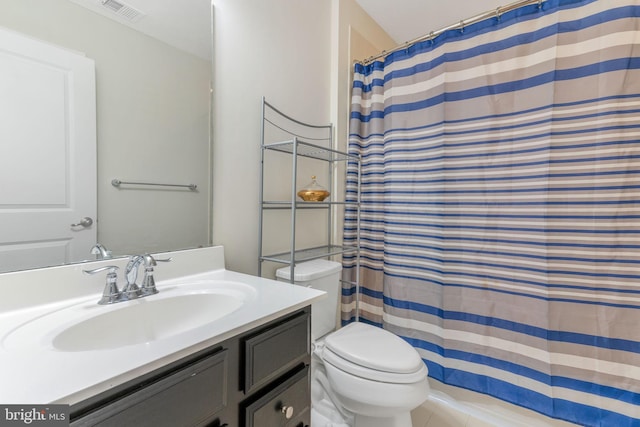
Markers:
500,214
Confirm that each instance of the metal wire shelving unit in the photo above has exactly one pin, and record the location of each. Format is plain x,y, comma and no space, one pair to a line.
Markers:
284,134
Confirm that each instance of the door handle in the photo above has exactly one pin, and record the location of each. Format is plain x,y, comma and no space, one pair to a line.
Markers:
84,222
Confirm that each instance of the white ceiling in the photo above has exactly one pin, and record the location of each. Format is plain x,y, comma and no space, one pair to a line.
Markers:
185,24
405,20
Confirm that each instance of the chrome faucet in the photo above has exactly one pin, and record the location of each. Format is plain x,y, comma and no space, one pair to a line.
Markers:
110,294
148,282
131,290
100,251
148,286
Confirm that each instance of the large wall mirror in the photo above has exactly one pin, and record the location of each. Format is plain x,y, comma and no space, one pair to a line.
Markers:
153,116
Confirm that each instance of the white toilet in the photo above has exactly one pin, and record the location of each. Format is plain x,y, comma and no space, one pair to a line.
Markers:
372,377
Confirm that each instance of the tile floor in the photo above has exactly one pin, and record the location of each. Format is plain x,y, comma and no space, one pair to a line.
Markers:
456,407
435,415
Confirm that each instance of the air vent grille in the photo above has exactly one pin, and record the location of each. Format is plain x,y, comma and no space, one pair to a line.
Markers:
122,9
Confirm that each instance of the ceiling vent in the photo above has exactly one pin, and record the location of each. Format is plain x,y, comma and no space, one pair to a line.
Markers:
121,9
114,9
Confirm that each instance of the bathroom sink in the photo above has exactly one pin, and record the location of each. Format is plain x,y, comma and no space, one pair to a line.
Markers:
145,321
91,327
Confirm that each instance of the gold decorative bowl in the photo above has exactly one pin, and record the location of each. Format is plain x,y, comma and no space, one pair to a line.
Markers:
313,192
313,195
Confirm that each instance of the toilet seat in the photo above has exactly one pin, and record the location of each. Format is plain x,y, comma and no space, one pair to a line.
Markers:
372,374
373,353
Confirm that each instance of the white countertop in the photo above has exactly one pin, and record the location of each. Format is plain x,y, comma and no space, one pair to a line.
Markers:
38,373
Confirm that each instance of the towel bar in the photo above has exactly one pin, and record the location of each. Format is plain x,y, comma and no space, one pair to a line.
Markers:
117,183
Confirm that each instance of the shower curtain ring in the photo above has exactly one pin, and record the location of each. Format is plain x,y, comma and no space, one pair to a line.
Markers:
498,14
462,26
539,4
431,37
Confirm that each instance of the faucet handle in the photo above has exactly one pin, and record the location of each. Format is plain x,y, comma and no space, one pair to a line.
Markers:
149,283
112,270
110,294
150,261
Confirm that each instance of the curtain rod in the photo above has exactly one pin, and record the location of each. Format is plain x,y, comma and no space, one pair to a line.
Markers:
458,25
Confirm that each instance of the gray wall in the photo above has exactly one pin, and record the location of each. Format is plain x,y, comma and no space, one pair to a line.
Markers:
297,55
153,124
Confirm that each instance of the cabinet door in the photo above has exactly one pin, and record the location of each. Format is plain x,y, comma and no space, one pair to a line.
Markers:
188,397
274,351
286,405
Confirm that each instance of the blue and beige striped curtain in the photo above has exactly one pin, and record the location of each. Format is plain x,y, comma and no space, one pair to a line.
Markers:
500,224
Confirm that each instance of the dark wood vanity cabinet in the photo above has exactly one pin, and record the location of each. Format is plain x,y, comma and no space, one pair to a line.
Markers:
285,405
257,379
276,375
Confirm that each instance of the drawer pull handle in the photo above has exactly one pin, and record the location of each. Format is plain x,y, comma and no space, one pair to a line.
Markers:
287,411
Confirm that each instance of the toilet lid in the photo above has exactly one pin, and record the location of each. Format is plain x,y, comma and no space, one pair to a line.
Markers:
332,359
374,348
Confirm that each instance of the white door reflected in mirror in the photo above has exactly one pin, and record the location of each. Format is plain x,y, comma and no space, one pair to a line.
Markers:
48,110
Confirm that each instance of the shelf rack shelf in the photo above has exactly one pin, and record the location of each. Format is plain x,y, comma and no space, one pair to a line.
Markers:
310,253
306,149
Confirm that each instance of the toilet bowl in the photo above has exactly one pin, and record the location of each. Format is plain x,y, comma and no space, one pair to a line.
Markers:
374,375
371,377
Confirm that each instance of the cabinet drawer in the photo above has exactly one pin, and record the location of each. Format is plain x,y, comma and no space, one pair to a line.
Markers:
293,393
186,397
274,351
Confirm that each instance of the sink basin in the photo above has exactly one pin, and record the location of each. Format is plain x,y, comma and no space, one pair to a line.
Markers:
90,327
145,321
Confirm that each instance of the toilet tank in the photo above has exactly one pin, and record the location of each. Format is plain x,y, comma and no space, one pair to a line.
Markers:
325,276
